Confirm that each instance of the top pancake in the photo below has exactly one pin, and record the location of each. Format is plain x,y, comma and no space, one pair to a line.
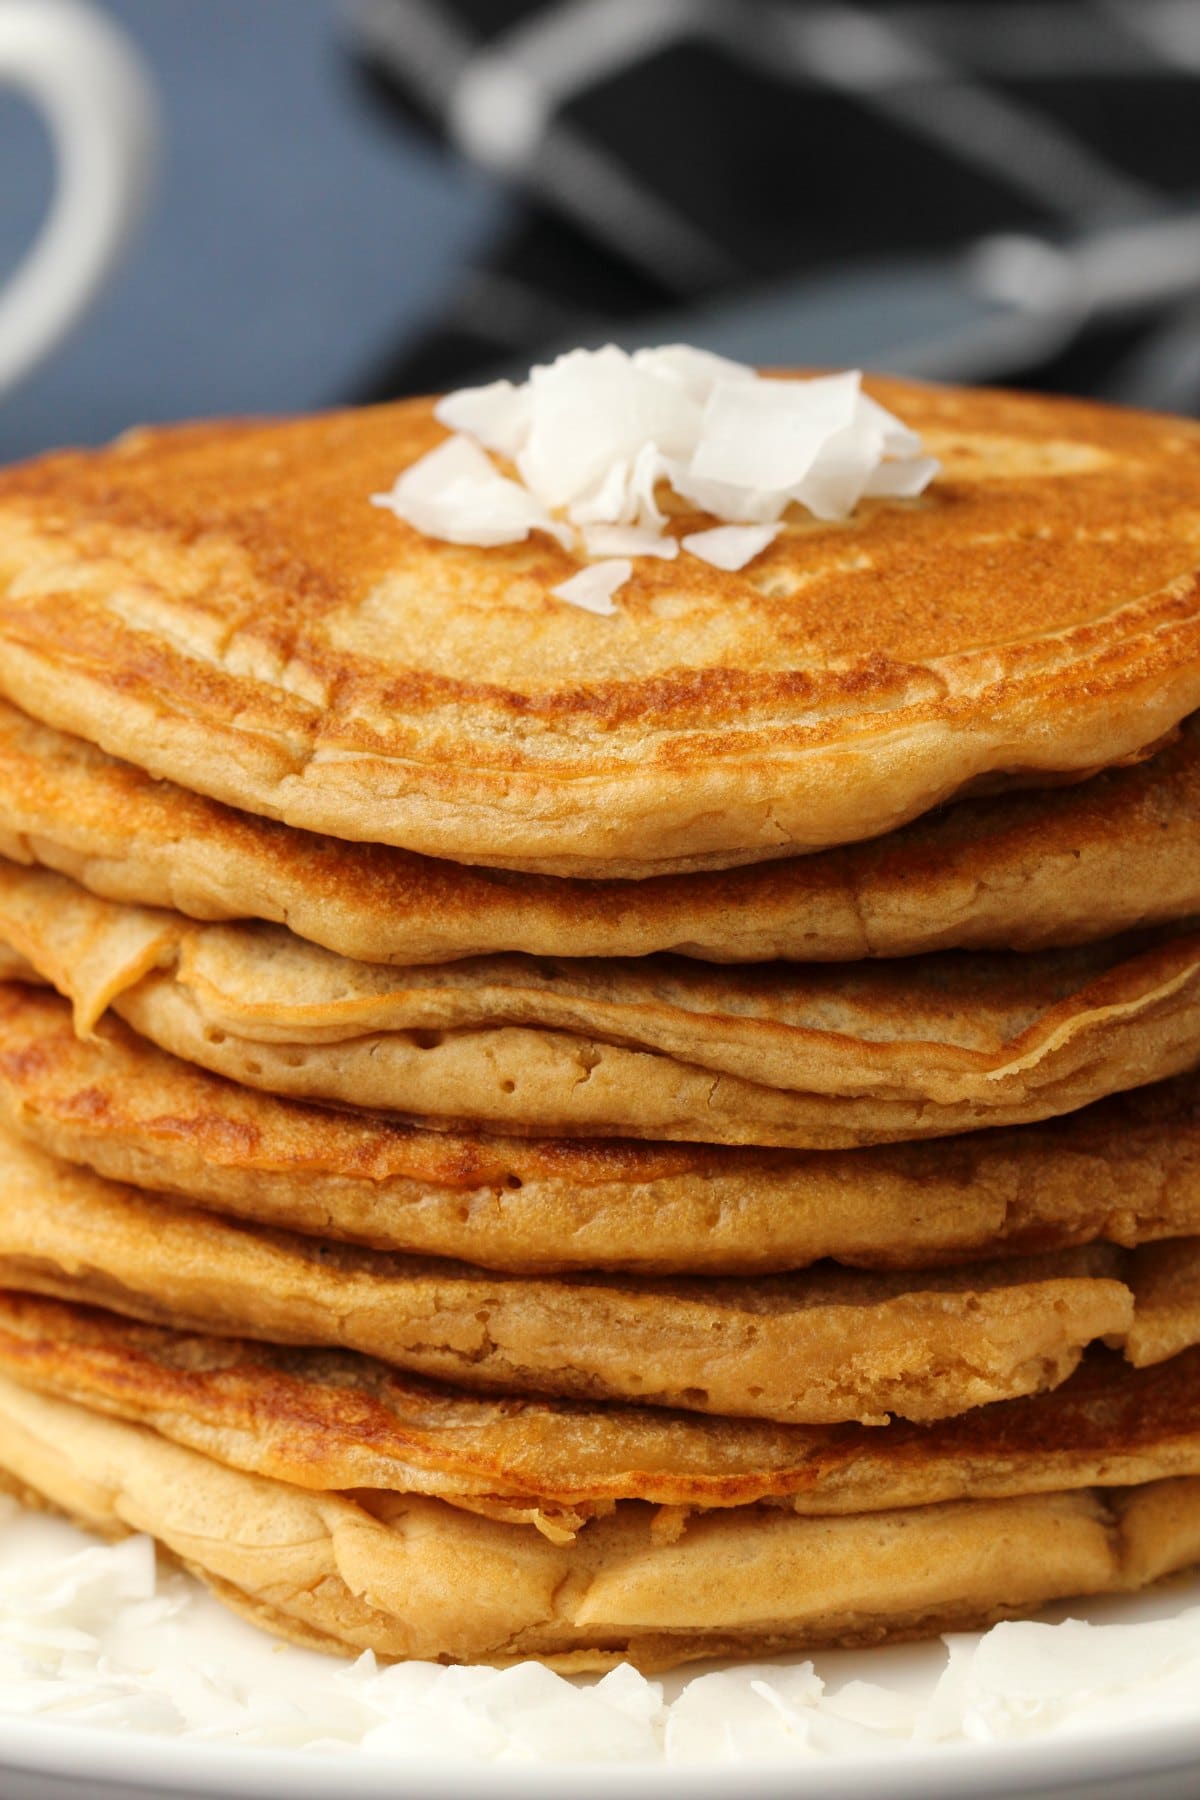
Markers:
220,604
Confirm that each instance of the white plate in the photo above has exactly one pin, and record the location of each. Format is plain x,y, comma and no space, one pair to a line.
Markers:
1144,1742
38,1762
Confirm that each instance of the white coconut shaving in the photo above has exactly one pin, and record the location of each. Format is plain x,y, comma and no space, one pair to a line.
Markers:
595,584
457,494
594,436
627,540
97,1635
730,546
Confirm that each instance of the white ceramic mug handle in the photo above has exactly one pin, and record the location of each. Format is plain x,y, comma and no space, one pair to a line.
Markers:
92,89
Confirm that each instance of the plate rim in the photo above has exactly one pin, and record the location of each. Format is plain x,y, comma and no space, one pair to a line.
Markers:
1065,1761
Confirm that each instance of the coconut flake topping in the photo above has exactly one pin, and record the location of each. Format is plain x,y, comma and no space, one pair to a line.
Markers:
594,435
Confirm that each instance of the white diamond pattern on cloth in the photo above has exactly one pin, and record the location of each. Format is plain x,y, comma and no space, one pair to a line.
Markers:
593,436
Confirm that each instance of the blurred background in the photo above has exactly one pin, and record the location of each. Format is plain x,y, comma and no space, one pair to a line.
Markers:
356,200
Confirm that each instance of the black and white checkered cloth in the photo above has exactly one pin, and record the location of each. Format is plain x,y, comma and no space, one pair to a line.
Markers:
667,155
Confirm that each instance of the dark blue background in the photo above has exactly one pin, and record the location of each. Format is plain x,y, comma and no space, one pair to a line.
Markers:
296,232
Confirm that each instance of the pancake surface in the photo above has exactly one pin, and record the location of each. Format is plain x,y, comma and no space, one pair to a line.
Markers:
409,1576
1013,871
817,1057
221,605
1126,1169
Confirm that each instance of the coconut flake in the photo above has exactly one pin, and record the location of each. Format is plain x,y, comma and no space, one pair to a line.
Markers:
457,495
596,436
595,584
627,540
902,480
738,506
496,416
610,502
730,546
650,467
695,371
896,437
591,409
768,434
838,478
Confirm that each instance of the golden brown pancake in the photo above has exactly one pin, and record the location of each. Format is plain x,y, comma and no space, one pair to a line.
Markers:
332,1419
821,1346
1126,1169
409,1576
1014,871
810,1057
220,604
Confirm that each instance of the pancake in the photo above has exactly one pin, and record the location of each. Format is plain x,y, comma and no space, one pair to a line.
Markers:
1014,871
221,605
329,1419
808,1057
1126,1169
409,1576
821,1346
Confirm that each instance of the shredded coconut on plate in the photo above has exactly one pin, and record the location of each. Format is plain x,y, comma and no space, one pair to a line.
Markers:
592,436
98,1635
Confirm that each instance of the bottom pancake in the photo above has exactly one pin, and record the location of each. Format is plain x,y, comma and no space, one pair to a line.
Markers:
410,1577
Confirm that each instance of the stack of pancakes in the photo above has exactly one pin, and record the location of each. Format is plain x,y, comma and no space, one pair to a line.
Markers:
528,1134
